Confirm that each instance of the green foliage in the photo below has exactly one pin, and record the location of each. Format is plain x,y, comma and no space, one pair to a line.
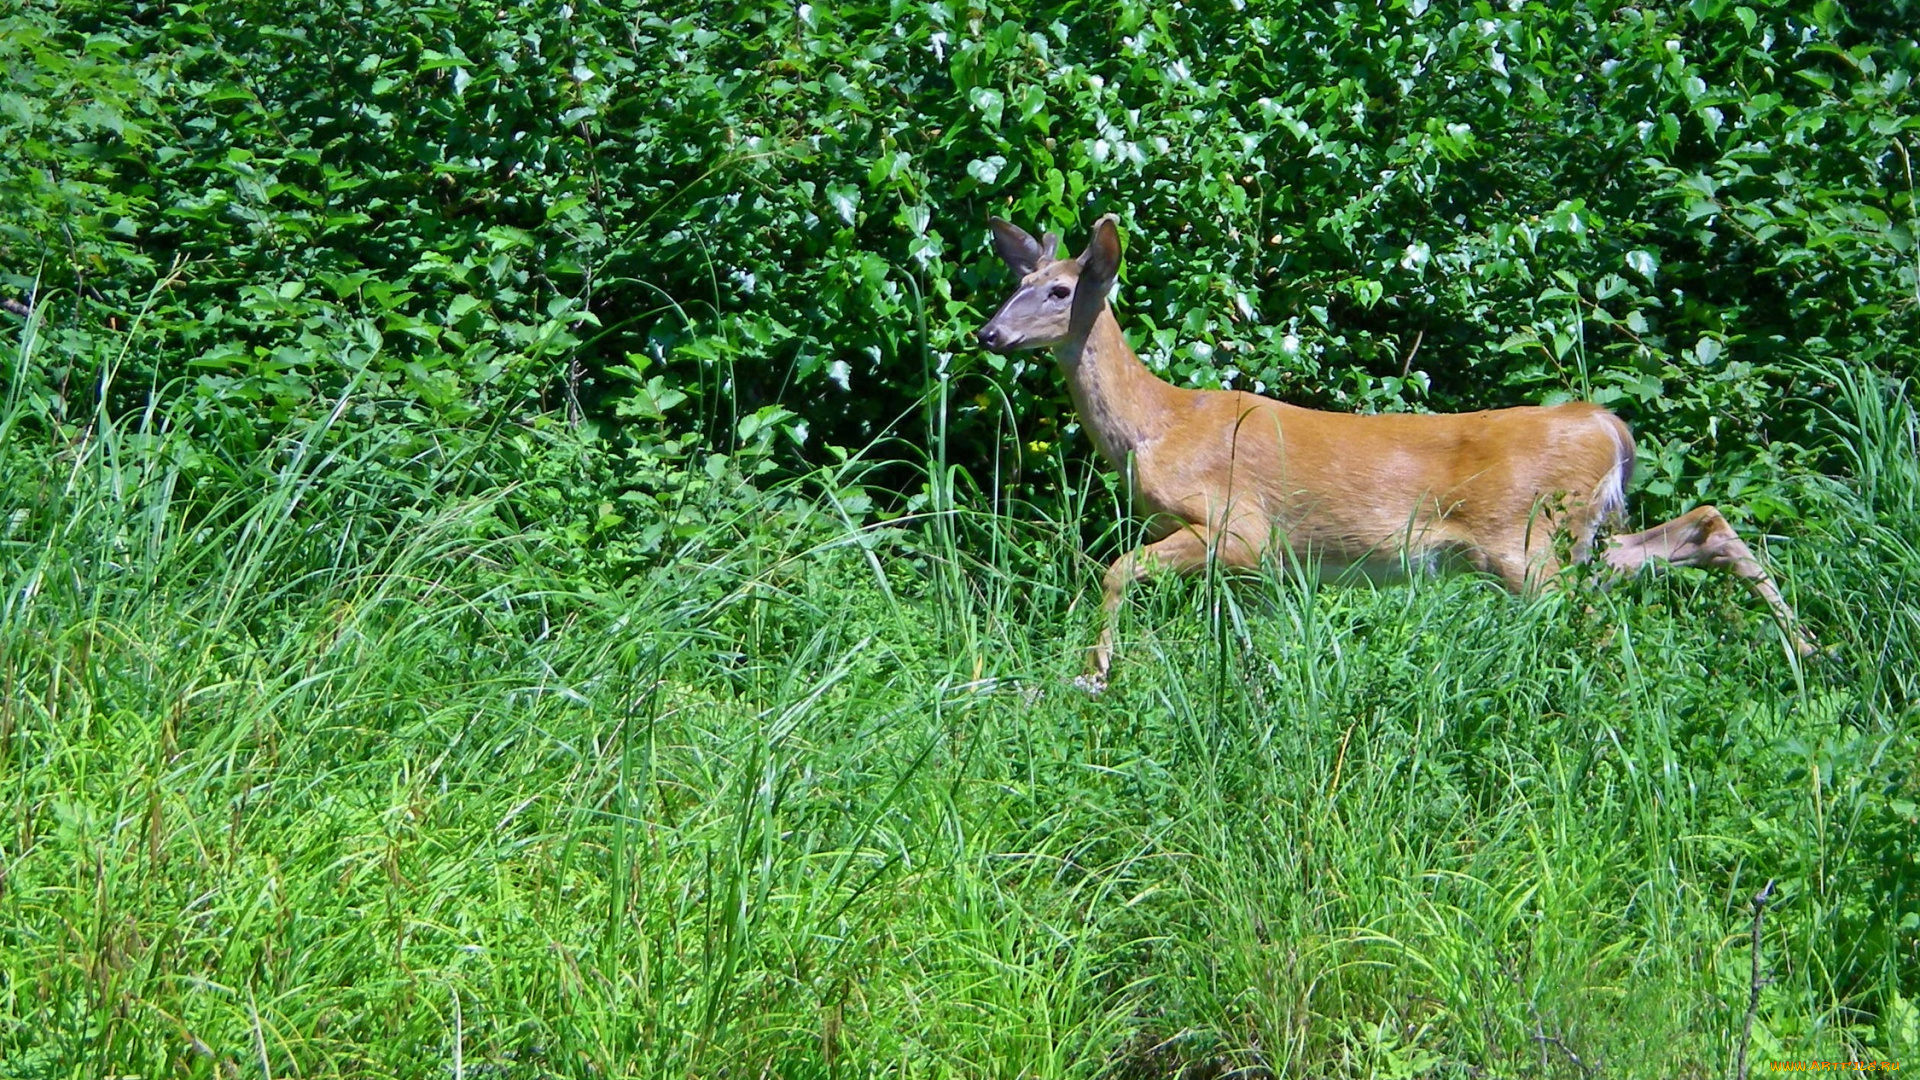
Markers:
291,792
1354,206
307,223
443,626
477,215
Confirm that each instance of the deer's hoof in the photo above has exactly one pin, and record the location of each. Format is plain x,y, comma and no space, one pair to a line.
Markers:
1093,685
1814,654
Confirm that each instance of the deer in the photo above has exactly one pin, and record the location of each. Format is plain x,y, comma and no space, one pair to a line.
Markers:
1232,477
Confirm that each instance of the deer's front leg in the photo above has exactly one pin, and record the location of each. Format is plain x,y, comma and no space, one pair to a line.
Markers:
1184,552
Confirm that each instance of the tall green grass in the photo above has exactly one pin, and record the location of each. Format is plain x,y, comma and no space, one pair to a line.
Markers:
307,772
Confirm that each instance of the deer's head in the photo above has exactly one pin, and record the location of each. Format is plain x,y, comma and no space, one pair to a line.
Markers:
1058,299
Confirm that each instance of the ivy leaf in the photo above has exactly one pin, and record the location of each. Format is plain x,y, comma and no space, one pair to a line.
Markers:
845,200
989,103
986,170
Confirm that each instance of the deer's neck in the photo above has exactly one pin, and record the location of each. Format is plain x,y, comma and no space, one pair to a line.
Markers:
1122,405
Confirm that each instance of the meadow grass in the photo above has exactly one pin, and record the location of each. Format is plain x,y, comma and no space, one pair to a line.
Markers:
294,782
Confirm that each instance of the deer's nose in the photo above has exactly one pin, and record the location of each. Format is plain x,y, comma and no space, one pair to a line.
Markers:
988,336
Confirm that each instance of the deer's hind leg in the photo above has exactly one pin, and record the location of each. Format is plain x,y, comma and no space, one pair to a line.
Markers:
1702,537
1558,532
1523,561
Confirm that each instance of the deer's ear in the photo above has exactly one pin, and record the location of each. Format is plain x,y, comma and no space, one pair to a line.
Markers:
1100,263
1020,251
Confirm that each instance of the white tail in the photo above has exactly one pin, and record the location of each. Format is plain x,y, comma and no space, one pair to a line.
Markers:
1236,476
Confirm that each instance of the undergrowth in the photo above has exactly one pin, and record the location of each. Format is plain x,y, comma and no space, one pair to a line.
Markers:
304,775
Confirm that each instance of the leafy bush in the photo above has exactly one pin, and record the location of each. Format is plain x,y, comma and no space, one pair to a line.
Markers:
1350,206
476,216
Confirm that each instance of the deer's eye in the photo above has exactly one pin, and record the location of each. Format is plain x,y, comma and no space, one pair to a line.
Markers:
1059,292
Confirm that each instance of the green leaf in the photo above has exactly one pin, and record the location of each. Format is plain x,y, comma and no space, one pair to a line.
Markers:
434,60
986,170
988,103
459,308
845,201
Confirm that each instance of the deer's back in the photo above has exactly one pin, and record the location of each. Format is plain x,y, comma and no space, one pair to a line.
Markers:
1345,482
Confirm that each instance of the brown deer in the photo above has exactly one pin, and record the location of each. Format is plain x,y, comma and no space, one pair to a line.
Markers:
1236,476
